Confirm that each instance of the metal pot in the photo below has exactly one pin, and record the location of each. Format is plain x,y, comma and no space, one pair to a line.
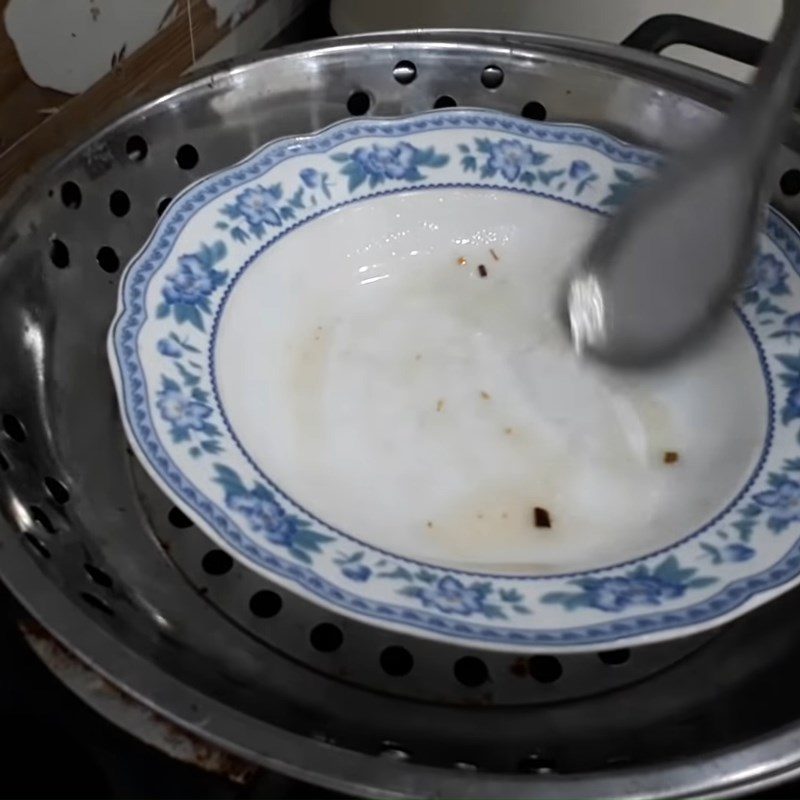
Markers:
99,557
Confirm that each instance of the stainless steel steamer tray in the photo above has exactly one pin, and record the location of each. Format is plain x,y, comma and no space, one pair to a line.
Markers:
98,555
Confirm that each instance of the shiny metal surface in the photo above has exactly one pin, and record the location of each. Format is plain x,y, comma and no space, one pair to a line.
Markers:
660,274
118,577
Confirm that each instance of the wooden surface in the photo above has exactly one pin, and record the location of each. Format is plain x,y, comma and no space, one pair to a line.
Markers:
36,121
21,100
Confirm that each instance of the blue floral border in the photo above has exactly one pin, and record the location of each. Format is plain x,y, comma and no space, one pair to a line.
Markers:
134,387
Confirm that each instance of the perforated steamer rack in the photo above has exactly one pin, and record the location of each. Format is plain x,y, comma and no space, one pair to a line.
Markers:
98,555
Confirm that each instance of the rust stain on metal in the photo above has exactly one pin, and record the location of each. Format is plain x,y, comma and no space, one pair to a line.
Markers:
146,724
58,657
205,755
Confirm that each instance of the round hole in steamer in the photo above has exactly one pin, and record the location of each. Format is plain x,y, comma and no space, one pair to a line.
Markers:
162,206
217,562
107,259
394,752
358,103
98,576
97,603
119,203
404,72
178,519
326,637
265,604
39,516
59,253
57,491
615,658
545,669
396,661
71,195
492,76
471,671
38,545
136,148
537,764
444,101
790,182
187,156
14,428
534,110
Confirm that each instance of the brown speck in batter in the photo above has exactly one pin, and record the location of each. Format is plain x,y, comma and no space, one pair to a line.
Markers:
670,457
541,518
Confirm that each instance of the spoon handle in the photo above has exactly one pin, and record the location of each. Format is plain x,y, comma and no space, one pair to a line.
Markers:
661,272
764,110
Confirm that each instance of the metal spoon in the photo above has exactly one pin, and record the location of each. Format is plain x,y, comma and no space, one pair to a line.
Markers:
660,271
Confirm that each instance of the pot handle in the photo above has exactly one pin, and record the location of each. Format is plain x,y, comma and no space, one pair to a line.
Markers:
663,30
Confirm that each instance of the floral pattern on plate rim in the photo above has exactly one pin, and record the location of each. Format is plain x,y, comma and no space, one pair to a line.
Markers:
701,578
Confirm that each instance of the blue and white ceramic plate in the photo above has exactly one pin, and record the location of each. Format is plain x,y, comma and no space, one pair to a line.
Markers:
341,358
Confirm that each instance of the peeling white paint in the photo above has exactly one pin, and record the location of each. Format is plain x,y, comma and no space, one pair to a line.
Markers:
70,44
231,12
84,39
